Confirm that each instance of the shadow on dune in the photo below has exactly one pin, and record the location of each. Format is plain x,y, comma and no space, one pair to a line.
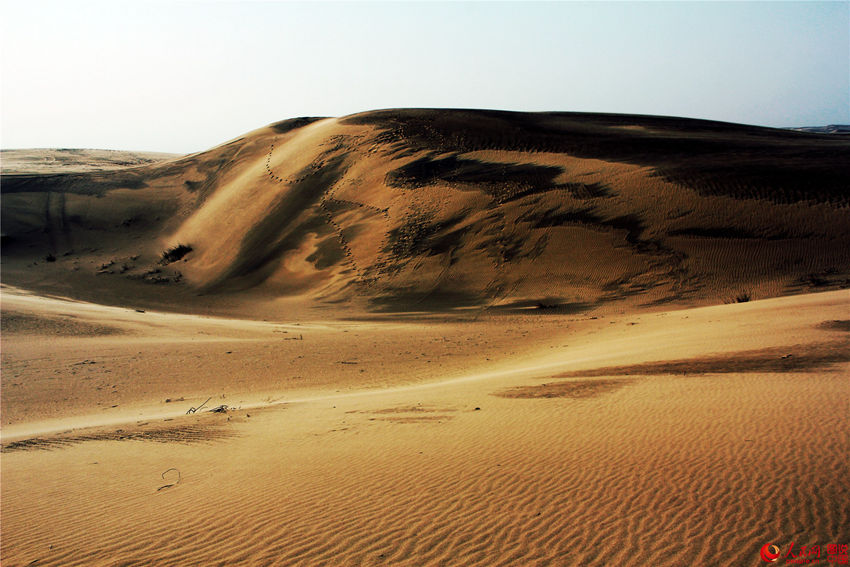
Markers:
286,126
185,434
582,389
545,305
438,301
795,358
713,158
283,228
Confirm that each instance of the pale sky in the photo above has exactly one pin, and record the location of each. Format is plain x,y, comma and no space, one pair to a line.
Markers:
185,76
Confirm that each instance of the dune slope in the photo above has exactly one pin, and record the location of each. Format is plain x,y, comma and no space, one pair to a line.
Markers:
415,210
429,337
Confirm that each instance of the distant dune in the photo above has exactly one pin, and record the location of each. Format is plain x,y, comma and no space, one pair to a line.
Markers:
831,129
63,160
423,210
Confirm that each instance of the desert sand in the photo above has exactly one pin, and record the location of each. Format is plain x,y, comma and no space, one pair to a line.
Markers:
435,338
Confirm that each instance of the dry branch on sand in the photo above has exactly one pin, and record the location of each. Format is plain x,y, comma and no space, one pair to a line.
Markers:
196,409
169,485
174,254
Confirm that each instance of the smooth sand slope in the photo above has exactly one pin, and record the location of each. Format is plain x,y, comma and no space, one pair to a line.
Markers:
433,338
668,438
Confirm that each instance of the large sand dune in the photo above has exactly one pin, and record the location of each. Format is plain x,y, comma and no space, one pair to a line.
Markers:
422,210
436,338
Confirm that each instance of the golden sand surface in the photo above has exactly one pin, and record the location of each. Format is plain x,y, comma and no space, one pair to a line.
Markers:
428,337
665,438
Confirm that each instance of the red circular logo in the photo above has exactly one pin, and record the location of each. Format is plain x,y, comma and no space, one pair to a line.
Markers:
770,553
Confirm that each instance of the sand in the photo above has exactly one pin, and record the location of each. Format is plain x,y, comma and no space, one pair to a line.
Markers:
419,337
420,464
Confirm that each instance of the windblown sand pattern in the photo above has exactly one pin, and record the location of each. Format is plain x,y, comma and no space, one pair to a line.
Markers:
161,433
23,323
658,470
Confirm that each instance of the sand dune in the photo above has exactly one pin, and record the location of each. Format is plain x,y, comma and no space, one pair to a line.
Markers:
40,161
424,210
430,338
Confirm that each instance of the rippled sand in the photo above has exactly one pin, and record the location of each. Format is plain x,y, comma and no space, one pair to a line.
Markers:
641,440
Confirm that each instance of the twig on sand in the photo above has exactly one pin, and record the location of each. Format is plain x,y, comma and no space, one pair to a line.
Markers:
195,409
179,478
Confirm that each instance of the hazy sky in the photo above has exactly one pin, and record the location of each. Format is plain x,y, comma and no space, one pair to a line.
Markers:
184,76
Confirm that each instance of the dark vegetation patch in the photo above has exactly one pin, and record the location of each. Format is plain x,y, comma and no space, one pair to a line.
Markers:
581,389
797,358
184,434
174,254
713,158
285,126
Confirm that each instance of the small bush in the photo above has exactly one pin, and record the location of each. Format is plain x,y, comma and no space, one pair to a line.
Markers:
175,253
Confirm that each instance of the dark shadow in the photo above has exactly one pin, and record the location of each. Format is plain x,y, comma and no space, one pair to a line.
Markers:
583,389
285,126
435,301
283,228
797,358
836,325
713,158
504,181
546,305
